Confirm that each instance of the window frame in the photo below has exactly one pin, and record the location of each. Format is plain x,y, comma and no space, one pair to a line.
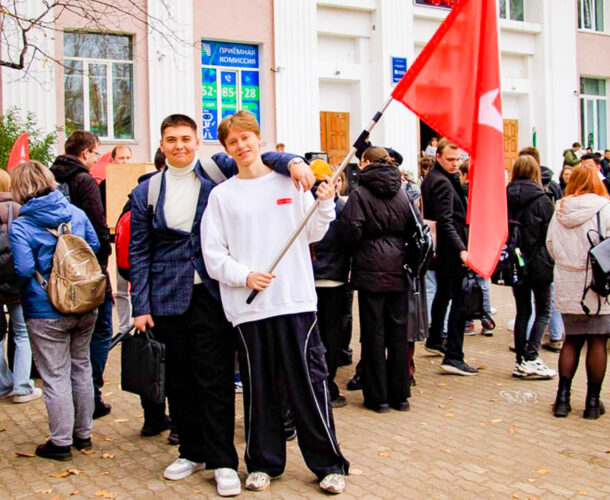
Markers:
594,18
584,99
108,63
508,10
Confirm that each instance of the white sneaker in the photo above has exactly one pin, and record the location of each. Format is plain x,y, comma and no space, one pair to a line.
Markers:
333,483
227,482
518,371
258,481
181,468
536,368
493,311
31,396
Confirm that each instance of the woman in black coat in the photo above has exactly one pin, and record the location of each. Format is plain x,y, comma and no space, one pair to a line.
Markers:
374,221
529,214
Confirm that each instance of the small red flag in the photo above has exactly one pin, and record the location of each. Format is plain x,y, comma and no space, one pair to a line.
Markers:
20,152
454,86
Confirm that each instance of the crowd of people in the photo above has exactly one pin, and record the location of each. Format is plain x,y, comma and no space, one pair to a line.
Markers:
203,243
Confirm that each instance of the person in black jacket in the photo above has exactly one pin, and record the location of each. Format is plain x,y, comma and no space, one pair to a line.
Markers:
529,214
330,268
375,221
71,171
445,202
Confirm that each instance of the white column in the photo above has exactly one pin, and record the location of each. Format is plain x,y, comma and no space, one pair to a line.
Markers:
555,80
31,89
171,69
296,79
393,37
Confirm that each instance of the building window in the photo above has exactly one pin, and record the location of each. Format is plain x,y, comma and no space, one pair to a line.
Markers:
230,82
593,113
591,15
447,4
511,9
98,84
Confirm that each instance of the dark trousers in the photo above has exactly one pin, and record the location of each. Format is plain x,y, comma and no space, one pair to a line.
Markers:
100,344
331,308
528,348
200,346
383,328
449,288
347,321
286,348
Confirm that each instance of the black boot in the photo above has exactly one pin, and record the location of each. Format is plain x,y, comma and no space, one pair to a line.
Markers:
562,407
594,408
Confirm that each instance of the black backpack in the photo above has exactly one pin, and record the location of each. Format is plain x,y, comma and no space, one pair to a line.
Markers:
512,266
598,259
9,288
419,247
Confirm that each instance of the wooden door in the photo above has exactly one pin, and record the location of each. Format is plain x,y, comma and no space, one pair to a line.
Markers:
511,142
334,135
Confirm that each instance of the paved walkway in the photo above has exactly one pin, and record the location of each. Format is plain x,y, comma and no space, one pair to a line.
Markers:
482,437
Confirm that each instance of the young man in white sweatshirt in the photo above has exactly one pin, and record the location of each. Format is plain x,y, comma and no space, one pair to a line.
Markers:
247,218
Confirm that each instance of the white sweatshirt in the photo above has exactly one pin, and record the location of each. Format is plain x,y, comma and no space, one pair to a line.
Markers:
244,226
181,195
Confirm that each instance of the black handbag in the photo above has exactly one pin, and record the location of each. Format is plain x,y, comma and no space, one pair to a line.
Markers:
472,306
143,366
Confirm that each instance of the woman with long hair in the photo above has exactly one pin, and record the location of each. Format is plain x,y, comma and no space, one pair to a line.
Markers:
529,214
60,341
584,210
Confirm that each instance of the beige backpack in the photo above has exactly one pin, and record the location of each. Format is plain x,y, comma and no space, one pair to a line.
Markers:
76,284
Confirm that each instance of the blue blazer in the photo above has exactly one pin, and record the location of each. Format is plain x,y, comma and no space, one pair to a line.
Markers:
163,260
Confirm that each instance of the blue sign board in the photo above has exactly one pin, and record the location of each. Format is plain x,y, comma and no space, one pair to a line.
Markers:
228,54
399,68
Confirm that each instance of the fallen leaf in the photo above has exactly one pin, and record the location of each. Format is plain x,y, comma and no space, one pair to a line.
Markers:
531,480
494,400
109,439
533,498
74,493
449,415
382,454
108,394
496,420
105,473
420,391
66,473
105,494
88,451
511,431
583,493
608,450
56,498
499,384
45,492
516,496
442,407
196,492
120,421
482,424
60,474
482,367
442,384
447,451
355,472
107,455
2,430
542,471
141,415
24,454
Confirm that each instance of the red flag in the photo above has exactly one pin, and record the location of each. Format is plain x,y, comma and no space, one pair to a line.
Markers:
98,170
20,152
454,86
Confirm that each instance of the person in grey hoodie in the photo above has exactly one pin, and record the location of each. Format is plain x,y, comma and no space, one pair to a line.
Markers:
584,210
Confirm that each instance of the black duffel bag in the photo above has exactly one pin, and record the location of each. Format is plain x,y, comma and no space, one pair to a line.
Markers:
143,366
472,305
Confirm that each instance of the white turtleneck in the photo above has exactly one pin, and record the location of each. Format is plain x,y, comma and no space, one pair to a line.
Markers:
181,194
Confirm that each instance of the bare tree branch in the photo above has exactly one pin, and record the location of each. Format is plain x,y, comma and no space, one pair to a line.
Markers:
105,16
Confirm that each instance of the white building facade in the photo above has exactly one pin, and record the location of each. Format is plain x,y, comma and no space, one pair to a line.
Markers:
314,72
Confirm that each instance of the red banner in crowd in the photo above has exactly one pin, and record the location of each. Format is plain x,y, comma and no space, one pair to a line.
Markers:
20,152
454,86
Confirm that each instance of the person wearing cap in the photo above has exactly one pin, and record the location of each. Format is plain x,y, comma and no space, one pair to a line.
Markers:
330,268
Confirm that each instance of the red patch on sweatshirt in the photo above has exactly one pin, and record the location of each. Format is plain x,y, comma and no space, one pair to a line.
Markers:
284,201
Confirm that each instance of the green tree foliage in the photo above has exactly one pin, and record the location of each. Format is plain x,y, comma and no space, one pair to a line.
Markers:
12,125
